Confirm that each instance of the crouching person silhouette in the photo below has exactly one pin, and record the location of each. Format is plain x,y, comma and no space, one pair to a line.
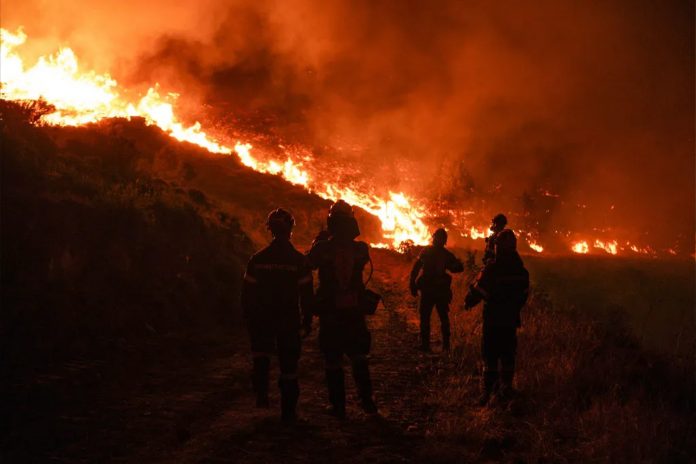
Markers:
276,283
340,260
503,285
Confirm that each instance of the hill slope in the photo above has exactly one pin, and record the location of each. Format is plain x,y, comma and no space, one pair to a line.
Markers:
94,242
122,254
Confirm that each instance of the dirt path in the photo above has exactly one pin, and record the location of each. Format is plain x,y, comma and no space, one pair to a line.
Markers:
241,433
196,405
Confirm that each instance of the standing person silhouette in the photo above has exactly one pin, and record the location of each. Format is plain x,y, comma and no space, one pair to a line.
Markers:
434,285
503,285
277,282
340,260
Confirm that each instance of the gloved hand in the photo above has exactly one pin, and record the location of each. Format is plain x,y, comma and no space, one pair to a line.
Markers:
469,301
322,235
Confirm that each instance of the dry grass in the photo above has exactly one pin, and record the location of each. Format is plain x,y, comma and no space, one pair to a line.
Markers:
587,393
111,228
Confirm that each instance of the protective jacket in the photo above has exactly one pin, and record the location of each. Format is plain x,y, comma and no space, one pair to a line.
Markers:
340,263
503,285
435,261
277,282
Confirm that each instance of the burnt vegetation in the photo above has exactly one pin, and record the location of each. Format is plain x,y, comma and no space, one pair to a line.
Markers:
119,242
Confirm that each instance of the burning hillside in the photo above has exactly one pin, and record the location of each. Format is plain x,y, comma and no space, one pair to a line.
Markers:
410,192
144,144
121,276
84,97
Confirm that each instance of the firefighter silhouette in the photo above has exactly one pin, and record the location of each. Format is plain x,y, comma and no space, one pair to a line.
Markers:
340,261
434,285
498,223
503,285
277,283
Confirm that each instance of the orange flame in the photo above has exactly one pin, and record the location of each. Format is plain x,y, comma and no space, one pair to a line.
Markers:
580,247
478,233
400,220
536,247
609,247
82,97
290,171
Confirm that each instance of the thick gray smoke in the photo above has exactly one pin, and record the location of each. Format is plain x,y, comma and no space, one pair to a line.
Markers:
480,105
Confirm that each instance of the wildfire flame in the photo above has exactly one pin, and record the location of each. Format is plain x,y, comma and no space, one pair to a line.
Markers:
400,219
536,247
81,97
290,171
580,247
478,233
609,247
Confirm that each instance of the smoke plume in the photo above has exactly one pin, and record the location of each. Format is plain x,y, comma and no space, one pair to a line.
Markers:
574,114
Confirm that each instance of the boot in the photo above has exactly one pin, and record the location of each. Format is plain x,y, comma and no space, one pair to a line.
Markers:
445,343
361,374
259,377
424,333
289,393
506,376
445,329
335,381
490,378
425,341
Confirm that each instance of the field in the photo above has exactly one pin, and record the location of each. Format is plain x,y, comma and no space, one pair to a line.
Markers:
653,297
122,255
600,379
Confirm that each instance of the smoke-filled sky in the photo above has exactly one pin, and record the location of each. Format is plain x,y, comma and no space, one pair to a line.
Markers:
475,101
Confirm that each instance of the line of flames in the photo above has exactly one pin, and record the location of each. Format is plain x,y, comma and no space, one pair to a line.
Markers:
85,97
81,97
401,220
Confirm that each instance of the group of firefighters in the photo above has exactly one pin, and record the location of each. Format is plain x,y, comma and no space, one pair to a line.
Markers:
279,303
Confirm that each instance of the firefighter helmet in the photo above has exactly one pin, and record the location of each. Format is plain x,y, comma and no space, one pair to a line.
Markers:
440,236
341,221
500,220
280,222
341,208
